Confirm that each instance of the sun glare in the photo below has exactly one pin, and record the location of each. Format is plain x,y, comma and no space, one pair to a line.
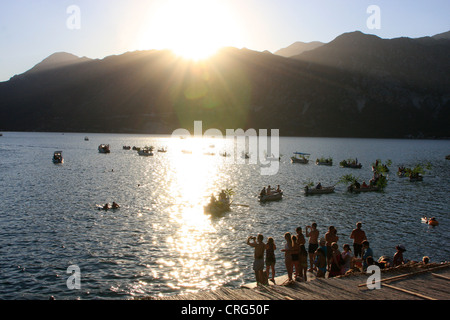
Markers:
193,29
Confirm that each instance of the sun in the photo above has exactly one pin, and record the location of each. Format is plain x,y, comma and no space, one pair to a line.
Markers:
193,29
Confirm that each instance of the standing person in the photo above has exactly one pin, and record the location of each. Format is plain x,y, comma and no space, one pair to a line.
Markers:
270,258
358,236
336,261
295,257
258,264
367,252
330,237
320,262
288,255
313,243
347,258
303,255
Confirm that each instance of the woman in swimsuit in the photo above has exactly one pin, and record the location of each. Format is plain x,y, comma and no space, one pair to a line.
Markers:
287,255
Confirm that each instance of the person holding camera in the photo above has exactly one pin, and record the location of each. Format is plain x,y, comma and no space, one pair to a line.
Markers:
258,263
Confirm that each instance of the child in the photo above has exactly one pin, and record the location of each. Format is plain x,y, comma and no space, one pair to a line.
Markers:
321,263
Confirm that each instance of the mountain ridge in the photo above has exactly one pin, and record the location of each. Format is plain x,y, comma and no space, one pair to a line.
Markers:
357,85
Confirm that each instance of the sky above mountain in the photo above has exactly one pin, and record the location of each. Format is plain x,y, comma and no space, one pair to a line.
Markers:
31,30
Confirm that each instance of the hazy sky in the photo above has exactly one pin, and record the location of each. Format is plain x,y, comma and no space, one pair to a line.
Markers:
31,30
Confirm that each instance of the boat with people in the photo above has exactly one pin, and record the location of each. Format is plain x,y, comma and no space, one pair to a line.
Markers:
106,206
126,147
220,206
146,152
318,190
300,157
270,194
324,162
350,163
104,148
162,149
57,157
431,221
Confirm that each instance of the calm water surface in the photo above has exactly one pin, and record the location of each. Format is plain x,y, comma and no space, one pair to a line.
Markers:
160,242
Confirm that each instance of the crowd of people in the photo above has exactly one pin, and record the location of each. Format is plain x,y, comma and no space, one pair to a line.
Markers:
325,257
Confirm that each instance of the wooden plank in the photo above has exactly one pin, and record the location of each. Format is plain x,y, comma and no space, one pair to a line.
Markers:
407,274
409,292
440,276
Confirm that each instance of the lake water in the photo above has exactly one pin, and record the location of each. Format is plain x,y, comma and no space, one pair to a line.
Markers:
160,242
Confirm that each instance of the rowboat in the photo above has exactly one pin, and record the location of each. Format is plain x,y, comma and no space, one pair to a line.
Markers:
104,148
57,157
323,190
300,157
271,197
415,177
324,162
146,151
352,188
353,164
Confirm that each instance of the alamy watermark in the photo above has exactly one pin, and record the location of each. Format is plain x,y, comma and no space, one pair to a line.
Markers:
74,281
249,147
73,22
374,280
374,20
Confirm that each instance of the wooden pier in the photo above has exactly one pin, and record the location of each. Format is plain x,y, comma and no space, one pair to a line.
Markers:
409,282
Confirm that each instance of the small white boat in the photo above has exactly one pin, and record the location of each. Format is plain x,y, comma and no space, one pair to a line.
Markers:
104,148
57,157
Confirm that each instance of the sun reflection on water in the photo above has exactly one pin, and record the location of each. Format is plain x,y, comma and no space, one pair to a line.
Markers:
194,244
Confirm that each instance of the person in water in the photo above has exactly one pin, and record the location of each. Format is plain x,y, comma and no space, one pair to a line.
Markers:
115,205
106,206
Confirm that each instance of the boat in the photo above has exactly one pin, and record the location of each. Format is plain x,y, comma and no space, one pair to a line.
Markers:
323,190
324,162
162,149
186,151
225,154
146,151
126,147
86,138
353,164
57,157
218,207
107,207
272,157
352,188
208,153
275,196
431,221
300,157
104,148
415,177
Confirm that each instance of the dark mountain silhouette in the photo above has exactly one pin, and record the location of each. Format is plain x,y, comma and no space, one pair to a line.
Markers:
297,48
357,85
